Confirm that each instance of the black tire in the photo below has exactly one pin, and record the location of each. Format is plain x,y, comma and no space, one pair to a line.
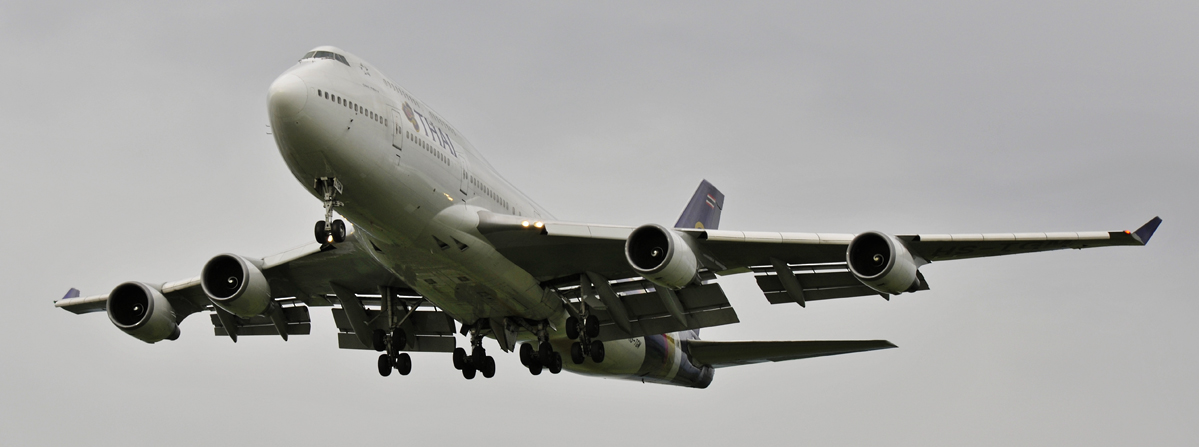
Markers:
399,339
339,231
459,358
527,355
591,326
545,354
384,365
378,340
556,366
404,364
576,353
321,236
535,369
468,372
488,367
597,351
572,328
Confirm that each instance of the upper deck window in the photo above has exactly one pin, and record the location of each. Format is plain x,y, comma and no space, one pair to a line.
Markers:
326,55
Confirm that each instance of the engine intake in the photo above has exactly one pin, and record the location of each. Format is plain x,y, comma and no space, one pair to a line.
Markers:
661,256
882,262
141,311
236,285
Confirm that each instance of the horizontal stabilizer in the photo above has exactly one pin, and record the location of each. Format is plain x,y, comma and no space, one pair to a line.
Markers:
720,354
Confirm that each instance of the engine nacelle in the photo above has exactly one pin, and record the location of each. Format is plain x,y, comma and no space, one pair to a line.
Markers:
882,262
237,285
142,311
661,256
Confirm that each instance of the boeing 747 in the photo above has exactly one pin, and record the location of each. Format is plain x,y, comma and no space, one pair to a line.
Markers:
435,243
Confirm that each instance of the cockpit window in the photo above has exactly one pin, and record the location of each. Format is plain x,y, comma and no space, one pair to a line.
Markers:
326,55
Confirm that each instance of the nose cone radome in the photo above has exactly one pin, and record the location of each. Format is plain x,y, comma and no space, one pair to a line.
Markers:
287,96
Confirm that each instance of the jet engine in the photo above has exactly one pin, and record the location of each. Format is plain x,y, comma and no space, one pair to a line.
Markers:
237,285
142,311
661,256
882,262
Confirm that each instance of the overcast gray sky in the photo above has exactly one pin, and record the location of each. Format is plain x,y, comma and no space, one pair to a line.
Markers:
135,148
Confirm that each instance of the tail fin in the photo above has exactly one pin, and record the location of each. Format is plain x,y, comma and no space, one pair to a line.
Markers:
704,209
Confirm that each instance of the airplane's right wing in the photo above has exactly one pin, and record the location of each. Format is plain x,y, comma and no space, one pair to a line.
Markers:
310,275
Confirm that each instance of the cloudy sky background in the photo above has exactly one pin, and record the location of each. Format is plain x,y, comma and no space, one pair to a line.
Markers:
135,147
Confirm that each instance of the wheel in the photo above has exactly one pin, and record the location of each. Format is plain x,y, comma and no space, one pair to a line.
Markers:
339,231
545,354
572,328
378,341
384,365
488,367
535,369
468,372
597,351
459,358
404,364
591,326
478,357
399,339
321,235
576,353
527,354
556,367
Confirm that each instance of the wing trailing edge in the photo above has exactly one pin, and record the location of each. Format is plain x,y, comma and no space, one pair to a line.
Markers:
719,354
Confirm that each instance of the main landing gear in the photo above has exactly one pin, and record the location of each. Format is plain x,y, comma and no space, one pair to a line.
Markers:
585,331
544,357
329,231
477,361
393,358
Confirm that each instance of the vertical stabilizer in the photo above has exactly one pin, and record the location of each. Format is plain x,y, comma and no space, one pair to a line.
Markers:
704,209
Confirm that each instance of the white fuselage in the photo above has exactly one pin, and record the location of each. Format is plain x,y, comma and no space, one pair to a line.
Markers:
412,187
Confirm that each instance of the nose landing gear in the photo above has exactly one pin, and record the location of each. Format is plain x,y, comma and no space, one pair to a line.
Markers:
329,231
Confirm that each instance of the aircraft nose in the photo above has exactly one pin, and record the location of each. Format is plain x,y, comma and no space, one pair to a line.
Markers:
287,96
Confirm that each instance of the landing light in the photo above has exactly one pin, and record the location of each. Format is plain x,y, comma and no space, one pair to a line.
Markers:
525,224
448,197
538,224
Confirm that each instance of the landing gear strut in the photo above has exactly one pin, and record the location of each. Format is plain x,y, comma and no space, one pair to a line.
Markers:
585,332
477,361
393,358
542,357
391,342
329,231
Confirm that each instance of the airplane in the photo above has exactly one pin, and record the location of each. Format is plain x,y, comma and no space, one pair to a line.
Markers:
435,243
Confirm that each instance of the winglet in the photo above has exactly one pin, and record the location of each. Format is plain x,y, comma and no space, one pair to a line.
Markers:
1146,231
73,293
704,209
